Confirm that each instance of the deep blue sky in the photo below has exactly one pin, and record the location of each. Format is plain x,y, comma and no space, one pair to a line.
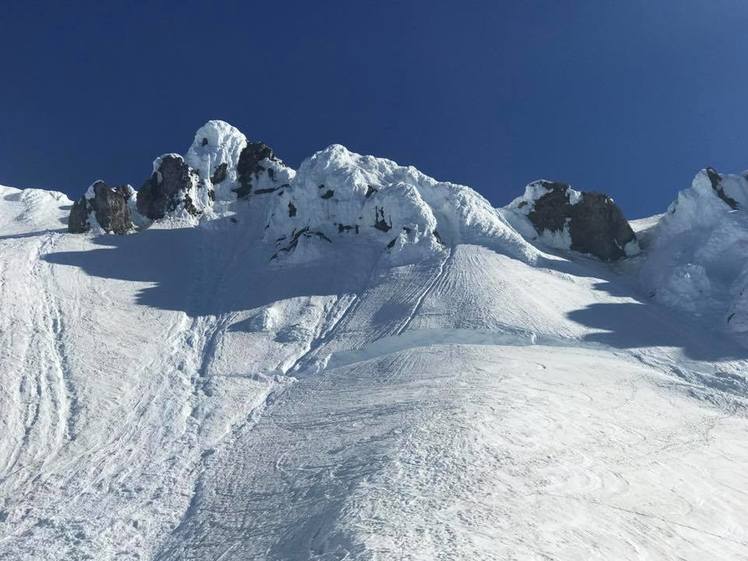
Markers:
629,97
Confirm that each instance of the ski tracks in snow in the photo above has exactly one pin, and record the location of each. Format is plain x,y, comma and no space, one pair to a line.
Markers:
443,266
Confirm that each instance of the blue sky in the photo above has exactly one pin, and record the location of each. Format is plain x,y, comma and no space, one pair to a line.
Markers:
628,97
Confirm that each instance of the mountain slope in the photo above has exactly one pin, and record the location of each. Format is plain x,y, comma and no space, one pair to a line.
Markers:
192,392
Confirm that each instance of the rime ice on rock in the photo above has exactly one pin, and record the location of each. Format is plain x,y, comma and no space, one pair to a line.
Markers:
693,261
233,166
337,193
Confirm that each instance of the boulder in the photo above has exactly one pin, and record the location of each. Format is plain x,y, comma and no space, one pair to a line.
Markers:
594,223
78,222
170,188
108,206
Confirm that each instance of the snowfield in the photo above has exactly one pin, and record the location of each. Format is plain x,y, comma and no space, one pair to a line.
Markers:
195,392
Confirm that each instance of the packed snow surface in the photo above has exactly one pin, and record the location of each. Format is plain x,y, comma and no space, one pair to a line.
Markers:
198,392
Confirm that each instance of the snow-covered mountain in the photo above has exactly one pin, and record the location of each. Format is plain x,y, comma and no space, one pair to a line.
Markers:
352,360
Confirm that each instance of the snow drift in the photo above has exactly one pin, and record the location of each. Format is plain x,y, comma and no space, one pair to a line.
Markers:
696,253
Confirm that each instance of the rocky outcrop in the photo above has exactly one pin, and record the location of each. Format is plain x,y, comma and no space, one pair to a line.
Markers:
107,206
78,221
588,222
170,188
253,161
716,181
220,167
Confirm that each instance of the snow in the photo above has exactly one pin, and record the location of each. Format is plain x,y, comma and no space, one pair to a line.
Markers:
181,394
342,194
632,248
694,256
216,143
519,209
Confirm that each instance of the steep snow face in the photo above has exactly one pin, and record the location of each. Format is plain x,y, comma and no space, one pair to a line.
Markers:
338,193
171,395
696,259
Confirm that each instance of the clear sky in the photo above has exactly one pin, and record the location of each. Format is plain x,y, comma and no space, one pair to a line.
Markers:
629,97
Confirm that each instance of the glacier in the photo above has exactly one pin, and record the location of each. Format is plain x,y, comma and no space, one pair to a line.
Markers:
352,360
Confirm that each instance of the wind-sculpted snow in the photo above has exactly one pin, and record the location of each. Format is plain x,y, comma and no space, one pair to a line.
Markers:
337,193
696,256
217,146
357,361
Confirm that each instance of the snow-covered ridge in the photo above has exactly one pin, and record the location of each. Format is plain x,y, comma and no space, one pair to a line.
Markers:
414,374
339,194
693,260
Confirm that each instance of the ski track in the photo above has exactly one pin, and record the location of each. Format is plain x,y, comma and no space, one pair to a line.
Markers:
440,411
429,287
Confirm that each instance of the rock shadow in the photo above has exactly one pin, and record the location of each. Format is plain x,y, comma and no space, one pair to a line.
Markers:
210,271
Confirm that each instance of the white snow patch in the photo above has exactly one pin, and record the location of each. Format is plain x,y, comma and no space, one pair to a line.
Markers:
695,256
340,193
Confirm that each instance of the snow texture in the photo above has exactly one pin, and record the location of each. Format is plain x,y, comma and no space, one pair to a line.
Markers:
695,261
337,193
181,394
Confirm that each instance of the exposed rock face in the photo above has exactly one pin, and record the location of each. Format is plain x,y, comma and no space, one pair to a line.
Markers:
220,174
109,206
78,220
595,223
249,167
169,188
716,181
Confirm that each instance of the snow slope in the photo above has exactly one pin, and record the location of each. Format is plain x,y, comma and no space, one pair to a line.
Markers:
196,393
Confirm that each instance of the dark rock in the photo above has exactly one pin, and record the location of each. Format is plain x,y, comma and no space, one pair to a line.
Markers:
78,219
291,210
295,236
380,223
370,191
596,224
716,181
220,174
109,206
189,206
266,191
248,167
328,194
167,188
